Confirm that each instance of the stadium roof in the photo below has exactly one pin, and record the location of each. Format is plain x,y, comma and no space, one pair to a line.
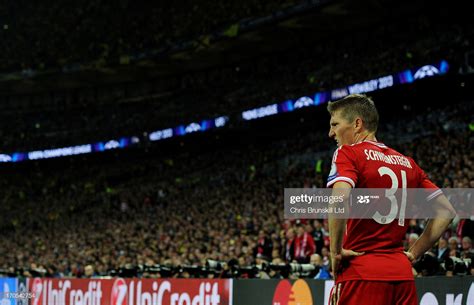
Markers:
322,23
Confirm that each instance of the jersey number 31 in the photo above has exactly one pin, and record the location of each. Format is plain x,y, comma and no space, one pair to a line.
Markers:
390,194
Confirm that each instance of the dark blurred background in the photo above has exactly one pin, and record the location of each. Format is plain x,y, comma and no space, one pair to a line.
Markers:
210,204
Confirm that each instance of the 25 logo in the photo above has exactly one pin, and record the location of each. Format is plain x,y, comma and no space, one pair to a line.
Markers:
363,199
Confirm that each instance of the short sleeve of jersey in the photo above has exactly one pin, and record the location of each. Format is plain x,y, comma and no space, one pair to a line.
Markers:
432,191
343,167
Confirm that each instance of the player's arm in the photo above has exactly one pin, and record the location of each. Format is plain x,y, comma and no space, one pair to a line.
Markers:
444,214
337,226
342,178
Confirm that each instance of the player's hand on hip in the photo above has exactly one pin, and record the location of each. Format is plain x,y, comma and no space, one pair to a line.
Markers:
350,253
337,258
410,256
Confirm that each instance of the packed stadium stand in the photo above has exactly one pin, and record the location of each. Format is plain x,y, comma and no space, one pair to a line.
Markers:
185,209
209,205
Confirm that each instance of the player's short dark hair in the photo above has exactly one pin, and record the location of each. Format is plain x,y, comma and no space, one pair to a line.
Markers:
357,105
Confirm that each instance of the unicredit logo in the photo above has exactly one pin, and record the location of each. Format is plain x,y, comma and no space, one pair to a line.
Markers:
36,289
287,294
62,292
134,293
119,292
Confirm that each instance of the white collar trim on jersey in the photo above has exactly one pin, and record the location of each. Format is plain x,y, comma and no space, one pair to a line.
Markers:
376,143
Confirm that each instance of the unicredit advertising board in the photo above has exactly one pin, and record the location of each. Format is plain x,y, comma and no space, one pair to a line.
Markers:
130,292
436,290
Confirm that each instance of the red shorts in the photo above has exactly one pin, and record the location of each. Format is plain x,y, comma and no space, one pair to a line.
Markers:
374,293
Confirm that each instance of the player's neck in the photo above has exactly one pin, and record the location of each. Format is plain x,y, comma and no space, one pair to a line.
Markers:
366,137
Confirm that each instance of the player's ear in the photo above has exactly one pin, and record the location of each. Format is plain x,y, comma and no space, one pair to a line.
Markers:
358,123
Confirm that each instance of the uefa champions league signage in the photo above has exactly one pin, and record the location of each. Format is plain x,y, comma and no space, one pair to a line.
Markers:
407,76
404,77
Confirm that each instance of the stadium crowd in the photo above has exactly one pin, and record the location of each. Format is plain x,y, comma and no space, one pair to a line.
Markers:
85,115
225,205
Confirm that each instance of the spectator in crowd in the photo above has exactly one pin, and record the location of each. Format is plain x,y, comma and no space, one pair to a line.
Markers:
264,245
412,238
326,258
467,249
318,235
454,249
323,273
89,271
304,245
442,251
290,247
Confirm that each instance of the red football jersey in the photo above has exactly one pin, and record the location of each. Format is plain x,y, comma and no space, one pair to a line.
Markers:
373,165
